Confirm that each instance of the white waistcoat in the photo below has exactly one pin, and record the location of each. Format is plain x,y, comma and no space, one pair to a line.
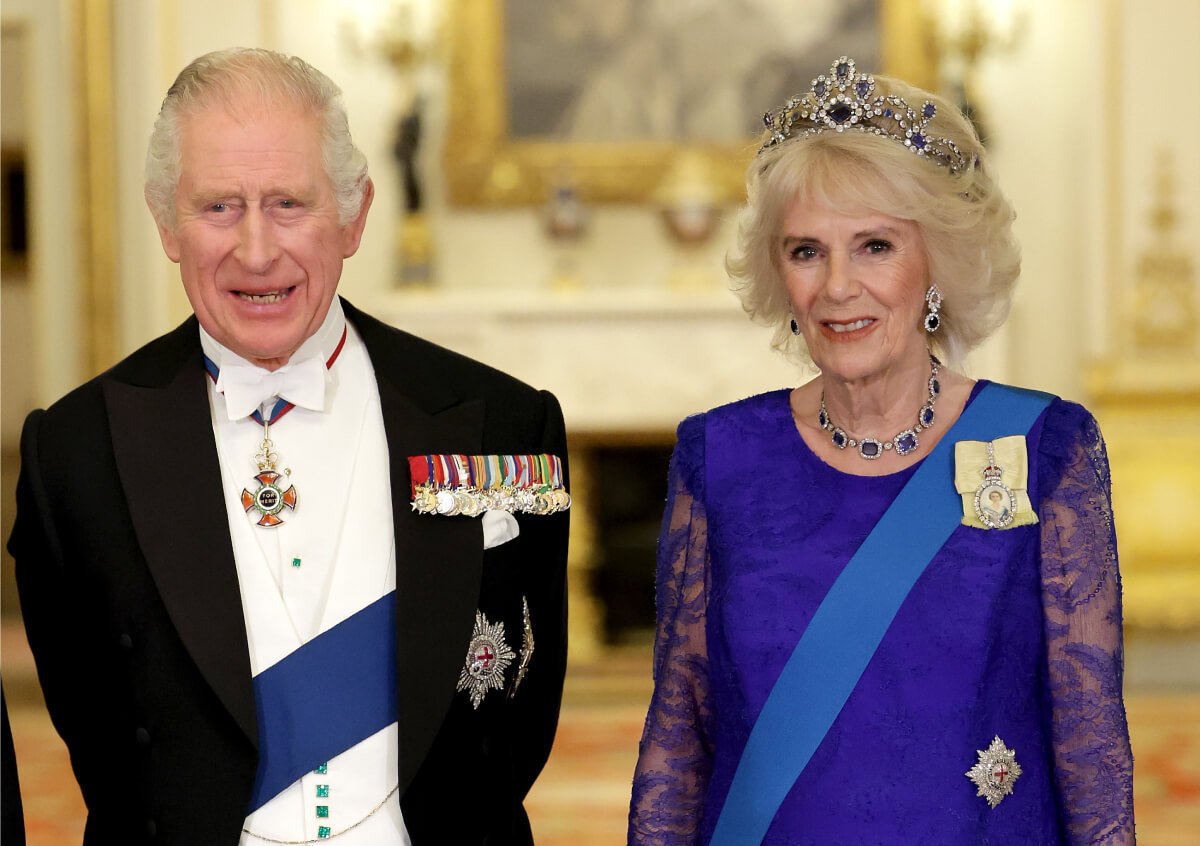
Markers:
332,557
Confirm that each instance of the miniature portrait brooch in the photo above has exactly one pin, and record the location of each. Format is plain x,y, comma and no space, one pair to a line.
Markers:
992,477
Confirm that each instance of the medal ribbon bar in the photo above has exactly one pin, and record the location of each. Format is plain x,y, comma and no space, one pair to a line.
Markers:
469,485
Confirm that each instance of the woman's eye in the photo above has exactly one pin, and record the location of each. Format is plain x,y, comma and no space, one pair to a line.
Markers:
288,204
804,252
878,246
219,207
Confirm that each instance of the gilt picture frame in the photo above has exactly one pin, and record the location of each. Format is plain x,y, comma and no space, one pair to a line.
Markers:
501,151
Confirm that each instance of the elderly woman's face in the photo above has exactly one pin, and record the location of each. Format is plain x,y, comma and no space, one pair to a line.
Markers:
857,286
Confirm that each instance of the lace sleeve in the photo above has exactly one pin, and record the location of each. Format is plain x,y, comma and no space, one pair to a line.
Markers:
674,758
1081,591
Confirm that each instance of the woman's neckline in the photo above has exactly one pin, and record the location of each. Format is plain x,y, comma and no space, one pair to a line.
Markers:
810,453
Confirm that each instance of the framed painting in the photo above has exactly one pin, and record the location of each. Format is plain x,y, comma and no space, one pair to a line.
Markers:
605,95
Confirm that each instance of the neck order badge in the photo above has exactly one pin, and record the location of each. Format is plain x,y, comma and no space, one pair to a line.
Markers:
271,497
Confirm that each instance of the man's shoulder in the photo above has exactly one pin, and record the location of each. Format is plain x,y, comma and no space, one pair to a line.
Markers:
153,364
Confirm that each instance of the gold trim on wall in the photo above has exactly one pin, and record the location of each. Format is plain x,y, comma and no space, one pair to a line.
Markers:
484,167
1146,397
98,219
1116,336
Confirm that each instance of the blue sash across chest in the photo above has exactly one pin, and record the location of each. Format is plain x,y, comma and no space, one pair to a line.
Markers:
329,695
854,616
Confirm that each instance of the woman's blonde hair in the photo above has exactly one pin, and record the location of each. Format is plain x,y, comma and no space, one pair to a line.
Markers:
226,78
963,217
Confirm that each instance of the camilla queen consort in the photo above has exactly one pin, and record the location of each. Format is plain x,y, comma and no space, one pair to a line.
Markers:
888,604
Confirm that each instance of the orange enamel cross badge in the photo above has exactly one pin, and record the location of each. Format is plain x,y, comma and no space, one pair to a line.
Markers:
269,499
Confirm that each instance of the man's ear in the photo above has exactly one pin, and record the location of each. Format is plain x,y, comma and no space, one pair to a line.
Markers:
170,241
352,231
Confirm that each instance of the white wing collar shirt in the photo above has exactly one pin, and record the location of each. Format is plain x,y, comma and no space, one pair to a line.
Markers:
331,557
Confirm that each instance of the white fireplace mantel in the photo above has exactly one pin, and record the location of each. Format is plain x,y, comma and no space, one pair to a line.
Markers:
619,361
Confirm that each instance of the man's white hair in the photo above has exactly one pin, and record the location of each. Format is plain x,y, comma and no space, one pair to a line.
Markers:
228,78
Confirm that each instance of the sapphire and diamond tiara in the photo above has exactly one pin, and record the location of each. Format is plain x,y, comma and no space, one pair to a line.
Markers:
844,100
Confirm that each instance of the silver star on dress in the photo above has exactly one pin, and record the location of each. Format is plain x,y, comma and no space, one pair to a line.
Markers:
996,772
488,657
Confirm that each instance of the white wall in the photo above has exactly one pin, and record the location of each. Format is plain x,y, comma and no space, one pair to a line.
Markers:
1044,150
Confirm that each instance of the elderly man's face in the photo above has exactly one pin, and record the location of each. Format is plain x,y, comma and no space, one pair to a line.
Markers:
256,236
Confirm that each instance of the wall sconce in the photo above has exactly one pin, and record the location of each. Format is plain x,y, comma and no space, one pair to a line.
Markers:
963,32
405,34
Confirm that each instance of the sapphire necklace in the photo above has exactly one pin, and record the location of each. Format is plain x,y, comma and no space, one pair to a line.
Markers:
904,443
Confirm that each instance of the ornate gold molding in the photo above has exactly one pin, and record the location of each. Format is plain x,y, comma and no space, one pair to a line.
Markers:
1149,409
485,167
1147,398
1116,337
1145,391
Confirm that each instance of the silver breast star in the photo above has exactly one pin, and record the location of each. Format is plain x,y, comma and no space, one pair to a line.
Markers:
996,772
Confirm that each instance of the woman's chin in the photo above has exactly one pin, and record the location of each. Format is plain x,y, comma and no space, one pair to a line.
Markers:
848,365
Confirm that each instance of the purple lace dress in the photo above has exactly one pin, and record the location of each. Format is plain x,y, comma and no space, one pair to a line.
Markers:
1013,633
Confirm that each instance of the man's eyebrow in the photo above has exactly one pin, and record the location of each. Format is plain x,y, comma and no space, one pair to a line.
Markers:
209,196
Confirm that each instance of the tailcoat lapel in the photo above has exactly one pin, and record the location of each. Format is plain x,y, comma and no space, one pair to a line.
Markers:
166,458
439,562
162,433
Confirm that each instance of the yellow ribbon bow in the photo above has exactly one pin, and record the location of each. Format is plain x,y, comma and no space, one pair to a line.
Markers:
1011,456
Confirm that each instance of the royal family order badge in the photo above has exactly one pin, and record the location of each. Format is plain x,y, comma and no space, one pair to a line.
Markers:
995,503
992,477
996,772
488,658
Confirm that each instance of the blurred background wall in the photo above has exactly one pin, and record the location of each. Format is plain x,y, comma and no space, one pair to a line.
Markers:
556,188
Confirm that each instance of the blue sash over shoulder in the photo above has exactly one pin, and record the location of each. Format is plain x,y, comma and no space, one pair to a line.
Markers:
329,695
847,628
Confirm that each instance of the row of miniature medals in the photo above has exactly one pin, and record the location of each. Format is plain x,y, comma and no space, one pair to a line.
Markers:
903,443
469,485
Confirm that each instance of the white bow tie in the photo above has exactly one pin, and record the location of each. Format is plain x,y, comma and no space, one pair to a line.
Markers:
247,387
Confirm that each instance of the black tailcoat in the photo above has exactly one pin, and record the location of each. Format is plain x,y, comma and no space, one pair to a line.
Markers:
131,600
